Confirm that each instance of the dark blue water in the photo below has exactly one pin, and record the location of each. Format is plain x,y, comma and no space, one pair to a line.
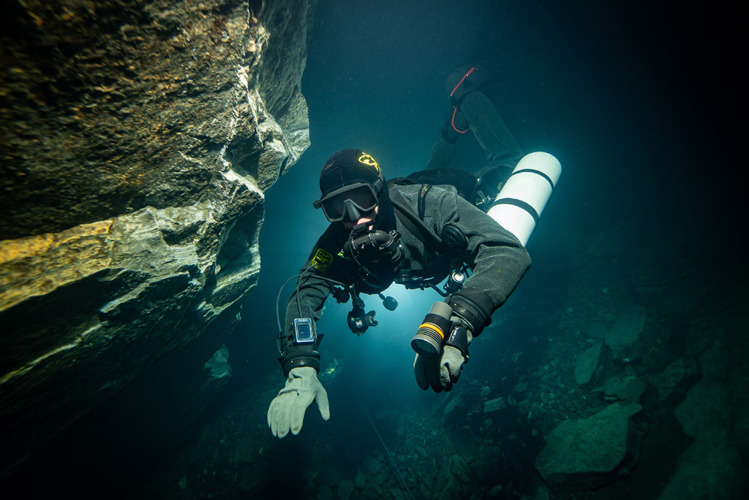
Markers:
637,105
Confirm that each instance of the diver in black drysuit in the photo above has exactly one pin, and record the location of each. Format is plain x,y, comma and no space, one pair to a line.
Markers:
393,232
473,113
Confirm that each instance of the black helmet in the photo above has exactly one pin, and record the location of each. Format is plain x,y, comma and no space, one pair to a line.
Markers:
351,183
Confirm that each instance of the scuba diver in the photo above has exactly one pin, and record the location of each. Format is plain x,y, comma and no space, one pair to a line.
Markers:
416,232
471,111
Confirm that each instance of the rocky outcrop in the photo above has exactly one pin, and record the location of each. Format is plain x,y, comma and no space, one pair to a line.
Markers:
623,387
587,363
138,138
591,452
712,413
626,331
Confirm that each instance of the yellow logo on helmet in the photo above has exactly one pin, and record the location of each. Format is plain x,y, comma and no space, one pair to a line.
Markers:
368,160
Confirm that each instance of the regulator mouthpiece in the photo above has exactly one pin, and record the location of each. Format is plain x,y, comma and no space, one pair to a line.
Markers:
433,330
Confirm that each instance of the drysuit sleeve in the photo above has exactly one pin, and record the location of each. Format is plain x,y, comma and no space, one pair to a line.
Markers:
495,255
307,299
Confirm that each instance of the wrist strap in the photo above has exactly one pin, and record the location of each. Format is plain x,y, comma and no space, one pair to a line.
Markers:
292,355
458,338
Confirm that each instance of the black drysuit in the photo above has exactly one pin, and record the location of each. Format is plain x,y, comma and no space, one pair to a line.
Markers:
496,257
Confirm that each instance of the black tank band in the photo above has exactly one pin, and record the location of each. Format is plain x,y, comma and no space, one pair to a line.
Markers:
520,204
537,172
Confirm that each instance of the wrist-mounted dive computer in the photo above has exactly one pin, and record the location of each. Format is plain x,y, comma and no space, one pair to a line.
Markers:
304,331
300,347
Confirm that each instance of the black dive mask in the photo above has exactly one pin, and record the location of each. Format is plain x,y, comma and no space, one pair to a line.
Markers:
349,203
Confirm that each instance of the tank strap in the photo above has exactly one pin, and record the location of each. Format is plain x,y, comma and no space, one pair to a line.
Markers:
520,204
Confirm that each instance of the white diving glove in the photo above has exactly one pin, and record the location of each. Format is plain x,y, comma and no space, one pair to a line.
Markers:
442,371
286,411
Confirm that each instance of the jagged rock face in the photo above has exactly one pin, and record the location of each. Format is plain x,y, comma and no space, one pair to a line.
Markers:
138,138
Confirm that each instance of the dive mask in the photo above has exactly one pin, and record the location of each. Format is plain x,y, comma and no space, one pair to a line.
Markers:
348,203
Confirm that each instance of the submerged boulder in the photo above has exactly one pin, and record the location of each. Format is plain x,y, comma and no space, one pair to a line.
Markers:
138,140
624,387
591,452
676,378
587,364
626,331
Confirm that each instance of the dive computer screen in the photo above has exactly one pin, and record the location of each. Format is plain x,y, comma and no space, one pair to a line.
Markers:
303,330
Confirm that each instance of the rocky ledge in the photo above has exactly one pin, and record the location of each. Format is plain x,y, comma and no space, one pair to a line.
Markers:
138,138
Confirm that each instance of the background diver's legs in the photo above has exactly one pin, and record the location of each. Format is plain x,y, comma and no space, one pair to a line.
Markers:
442,153
479,114
499,145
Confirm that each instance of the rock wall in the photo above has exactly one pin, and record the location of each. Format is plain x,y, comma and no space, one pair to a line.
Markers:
138,137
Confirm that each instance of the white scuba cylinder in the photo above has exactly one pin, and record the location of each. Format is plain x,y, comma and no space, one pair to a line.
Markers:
524,195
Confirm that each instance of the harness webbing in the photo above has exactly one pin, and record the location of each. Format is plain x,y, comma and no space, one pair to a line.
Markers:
414,223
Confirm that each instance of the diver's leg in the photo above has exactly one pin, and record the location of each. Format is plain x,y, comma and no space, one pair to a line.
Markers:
500,146
443,148
442,153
